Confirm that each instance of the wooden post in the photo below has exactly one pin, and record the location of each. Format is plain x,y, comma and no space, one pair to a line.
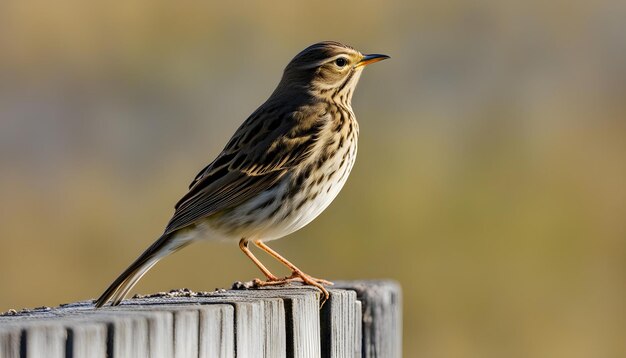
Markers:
361,319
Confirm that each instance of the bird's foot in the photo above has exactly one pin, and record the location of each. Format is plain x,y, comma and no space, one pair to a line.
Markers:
298,276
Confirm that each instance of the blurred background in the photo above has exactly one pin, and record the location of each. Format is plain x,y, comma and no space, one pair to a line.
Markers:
491,178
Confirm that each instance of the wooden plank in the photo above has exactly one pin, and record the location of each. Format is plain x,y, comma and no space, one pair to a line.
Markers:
86,339
359,329
186,333
301,316
340,325
210,326
77,337
160,333
217,331
249,329
253,317
44,340
154,333
198,330
304,322
10,342
129,335
382,316
178,330
274,329
360,319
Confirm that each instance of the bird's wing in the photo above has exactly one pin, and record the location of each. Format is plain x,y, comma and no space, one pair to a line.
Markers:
259,154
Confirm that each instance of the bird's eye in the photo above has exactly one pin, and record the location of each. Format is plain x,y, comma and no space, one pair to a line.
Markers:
341,62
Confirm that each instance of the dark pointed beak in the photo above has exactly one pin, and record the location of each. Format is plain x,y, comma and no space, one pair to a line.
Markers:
369,59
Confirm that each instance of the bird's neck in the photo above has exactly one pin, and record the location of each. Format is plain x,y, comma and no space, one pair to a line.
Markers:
341,93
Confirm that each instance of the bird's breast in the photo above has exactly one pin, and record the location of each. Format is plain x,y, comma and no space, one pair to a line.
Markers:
315,185
303,193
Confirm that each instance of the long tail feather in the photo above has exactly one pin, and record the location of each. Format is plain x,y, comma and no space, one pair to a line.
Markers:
116,292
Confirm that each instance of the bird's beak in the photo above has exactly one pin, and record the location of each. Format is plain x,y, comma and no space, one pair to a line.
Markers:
369,59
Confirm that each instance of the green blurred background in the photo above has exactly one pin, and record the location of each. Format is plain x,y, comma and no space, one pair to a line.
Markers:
491,178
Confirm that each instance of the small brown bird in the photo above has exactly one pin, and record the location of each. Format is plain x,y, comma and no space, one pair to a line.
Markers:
282,167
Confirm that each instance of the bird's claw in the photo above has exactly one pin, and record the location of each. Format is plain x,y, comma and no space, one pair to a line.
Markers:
298,276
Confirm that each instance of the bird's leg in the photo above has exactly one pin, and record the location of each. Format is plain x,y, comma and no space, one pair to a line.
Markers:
296,273
243,245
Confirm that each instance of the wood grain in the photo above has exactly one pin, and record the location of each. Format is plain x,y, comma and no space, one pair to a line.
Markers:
361,319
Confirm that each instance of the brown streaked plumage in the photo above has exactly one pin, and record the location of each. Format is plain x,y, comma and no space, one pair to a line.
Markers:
282,167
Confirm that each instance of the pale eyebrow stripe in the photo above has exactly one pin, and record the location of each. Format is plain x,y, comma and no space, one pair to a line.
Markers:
330,59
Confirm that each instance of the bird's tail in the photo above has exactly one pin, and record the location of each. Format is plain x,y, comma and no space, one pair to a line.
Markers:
164,246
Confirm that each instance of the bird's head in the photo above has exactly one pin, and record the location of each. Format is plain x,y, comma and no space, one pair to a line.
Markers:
327,68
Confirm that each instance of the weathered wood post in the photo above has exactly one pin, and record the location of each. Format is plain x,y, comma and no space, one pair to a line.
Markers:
361,319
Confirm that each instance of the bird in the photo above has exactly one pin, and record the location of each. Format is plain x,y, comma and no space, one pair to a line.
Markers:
282,168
